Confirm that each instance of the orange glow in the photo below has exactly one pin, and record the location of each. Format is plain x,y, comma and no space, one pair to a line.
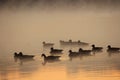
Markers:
58,73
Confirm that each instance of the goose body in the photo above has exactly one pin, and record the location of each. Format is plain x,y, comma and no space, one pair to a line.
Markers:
47,44
112,48
94,48
50,57
81,51
73,54
20,55
70,42
56,50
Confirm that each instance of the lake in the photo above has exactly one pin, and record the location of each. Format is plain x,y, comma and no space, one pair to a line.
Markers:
24,28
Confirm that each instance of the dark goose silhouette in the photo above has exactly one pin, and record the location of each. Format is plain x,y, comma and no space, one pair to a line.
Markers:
22,60
94,48
56,50
73,54
70,42
20,55
50,57
81,51
112,48
47,44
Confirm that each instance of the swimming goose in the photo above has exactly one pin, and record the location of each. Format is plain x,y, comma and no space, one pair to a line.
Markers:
84,51
73,54
112,48
70,42
20,55
96,48
56,50
47,44
50,57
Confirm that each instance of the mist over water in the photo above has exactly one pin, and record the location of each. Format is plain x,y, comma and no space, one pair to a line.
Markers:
88,20
25,24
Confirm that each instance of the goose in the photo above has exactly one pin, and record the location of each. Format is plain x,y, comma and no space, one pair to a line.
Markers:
56,50
20,55
112,48
50,57
96,48
70,42
47,44
73,54
15,54
84,51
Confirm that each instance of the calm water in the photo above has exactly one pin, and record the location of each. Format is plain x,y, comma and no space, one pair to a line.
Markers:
98,66
24,28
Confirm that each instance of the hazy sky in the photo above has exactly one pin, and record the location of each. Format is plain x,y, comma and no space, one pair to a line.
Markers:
30,26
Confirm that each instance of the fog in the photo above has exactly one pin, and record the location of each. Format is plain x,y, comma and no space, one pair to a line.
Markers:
24,26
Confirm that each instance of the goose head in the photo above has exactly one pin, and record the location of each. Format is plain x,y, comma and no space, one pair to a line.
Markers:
43,42
93,45
52,48
20,54
15,54
70,51
80,49
43,55
70,40
109,46
78,41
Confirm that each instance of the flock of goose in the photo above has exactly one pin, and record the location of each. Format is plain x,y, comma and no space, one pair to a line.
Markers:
79,53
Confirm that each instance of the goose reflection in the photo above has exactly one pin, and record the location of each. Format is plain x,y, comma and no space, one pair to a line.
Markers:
111,53
50,59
